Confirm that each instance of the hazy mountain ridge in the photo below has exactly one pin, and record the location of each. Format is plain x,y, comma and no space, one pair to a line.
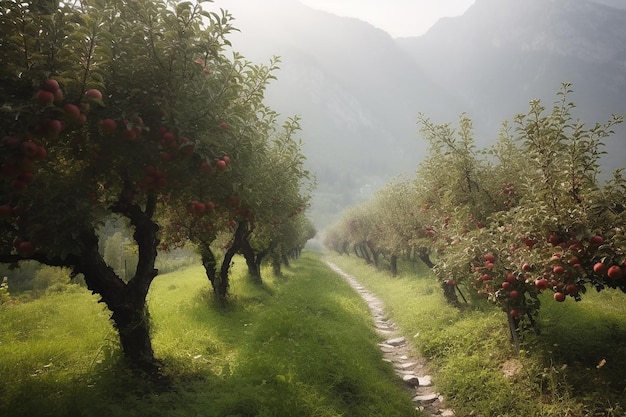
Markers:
502,53
359,91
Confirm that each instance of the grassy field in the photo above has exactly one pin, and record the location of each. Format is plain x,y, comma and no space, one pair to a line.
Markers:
575,367
302,345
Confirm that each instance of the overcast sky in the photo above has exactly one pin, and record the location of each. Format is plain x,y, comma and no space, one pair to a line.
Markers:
399,18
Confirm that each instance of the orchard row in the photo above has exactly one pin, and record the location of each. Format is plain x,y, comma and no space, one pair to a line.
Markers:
527,215
110,111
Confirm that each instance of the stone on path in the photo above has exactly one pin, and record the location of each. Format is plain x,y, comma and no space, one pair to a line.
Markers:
396,342
426,398
411,380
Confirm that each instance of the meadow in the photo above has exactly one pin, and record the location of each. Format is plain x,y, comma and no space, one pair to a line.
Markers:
303,344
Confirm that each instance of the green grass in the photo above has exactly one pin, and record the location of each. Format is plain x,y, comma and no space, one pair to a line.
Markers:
476,368
301,345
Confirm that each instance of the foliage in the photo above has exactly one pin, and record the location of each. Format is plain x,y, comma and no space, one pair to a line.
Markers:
527,215
124,110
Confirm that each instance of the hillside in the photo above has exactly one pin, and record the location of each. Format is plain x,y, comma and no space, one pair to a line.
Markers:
359,91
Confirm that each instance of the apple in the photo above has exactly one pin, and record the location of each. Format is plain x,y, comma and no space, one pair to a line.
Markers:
93,93
600,268
72,111
53,128
108,125
44,97
514,294
554,239
485,277
42,153
574,260
615,272
489,265
559,297
506,285
50,85
206,167
571,289
542,283
510,277
221,165
558,270
224,126
26,249
6,211
514,313
226,159
526,267
26,177
19,186
597,240
58,96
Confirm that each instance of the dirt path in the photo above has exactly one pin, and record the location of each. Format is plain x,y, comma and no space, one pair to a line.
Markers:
398,351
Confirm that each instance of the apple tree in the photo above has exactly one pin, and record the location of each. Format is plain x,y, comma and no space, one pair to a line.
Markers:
557,229
109,108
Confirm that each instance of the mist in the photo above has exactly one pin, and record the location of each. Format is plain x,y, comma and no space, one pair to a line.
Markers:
359,90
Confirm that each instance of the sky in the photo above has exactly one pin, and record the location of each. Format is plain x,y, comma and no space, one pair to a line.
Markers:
399,18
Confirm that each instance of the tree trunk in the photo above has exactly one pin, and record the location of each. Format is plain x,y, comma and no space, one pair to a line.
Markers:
240,235
393,264
424,257
276,265
127,303
210,267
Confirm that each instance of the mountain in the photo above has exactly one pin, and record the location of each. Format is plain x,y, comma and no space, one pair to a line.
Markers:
359,91
503,53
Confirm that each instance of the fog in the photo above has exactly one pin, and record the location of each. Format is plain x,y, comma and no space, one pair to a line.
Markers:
359,90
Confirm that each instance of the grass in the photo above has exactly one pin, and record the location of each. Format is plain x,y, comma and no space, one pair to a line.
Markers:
575,367
301,345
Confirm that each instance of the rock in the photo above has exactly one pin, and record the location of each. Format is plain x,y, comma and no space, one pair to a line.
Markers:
427,398
405,365
411,380
396,342
447,413
425,381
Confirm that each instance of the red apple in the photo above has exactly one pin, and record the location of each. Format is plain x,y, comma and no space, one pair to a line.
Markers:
559,297
6,211
597,240
72,112
108,125
615,272
44,97
542,283
221,165
93,93
206,167
558,270
526,267
571,289
506,285
600,268
514,294
50,85
26,249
